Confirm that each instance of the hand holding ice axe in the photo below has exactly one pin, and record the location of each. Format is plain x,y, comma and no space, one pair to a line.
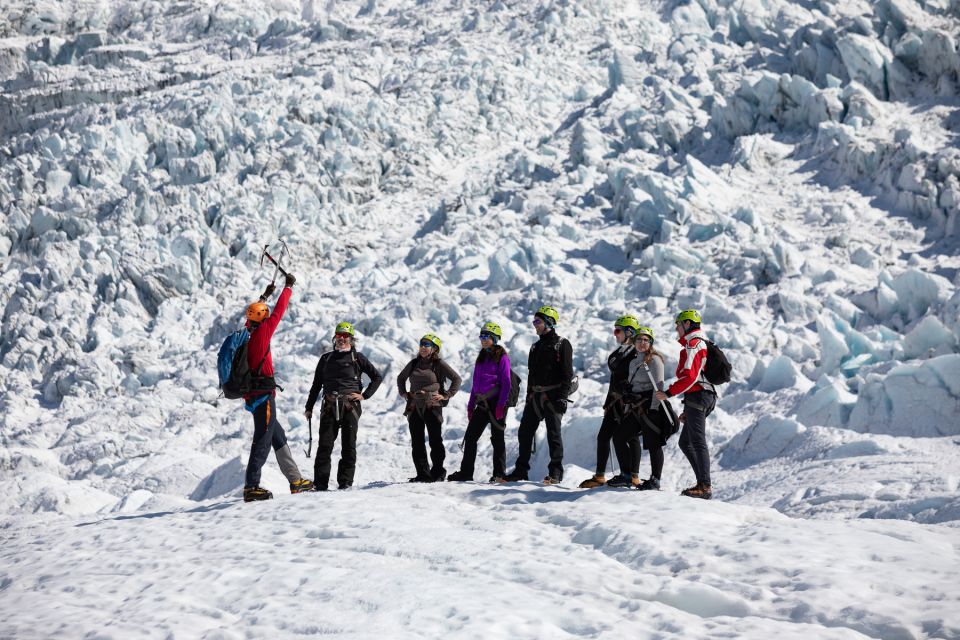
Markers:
277,263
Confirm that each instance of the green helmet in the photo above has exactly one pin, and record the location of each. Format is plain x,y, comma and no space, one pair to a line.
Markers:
549,314
344,327
628,322
689,314
432,338
492,327
645,331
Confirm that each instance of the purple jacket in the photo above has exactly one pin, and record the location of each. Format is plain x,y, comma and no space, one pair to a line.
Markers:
488,375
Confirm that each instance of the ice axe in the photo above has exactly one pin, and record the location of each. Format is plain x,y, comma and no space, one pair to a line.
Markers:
284,252
310,445
658,387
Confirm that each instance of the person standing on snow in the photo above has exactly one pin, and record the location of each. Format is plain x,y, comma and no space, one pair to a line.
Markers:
699,399
425,401
487,405
550,367
339,378
644,414
625,333
262,401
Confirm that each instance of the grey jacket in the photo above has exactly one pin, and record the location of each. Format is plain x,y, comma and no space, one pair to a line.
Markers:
639,380
427,376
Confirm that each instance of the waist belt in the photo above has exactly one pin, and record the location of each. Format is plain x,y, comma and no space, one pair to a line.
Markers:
337,403
537,388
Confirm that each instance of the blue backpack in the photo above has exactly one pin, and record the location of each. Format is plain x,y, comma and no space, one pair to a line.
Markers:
236,379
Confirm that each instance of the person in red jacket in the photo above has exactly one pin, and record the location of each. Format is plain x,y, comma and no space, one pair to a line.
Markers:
261,402
699,399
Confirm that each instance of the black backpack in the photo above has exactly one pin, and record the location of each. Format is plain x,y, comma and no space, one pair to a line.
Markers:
236,378
718,368
514,396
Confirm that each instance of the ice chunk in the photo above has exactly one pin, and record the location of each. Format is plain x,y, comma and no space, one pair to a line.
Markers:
911,400
929,337
770,437
781,373
833,346
829,403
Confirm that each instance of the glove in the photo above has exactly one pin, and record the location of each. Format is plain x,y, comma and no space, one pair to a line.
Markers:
289,280
268,291
561,406
500,412
469,414
308,413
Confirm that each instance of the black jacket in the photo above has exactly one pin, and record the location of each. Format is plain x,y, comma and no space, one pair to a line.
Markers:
339,371
550,363
619,365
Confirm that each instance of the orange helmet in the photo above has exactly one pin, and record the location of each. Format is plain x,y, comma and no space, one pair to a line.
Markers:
257,312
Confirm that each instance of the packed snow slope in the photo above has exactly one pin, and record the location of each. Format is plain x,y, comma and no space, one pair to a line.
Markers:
477,561
790,169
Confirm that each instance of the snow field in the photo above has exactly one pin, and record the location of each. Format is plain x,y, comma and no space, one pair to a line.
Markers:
477,560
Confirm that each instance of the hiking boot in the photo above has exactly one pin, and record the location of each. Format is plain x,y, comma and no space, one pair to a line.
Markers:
301,485
516,476
421,478
459,476
699,490
343,486
621,481
552,480
497,480
438,476
251,494
650,484
593,482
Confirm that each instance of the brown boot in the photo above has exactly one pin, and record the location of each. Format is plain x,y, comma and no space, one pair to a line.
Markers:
699,490
593,483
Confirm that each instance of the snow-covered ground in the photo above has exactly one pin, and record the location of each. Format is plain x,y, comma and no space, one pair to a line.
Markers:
792,169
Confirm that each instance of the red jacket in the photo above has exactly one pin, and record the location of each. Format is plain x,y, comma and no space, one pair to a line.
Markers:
690,368
259,344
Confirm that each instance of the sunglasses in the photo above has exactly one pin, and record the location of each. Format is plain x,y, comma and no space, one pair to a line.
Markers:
426,343
486,336
647,340
617,330
342,336
537,321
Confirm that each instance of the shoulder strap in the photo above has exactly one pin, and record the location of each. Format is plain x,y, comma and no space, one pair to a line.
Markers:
356,366
260,366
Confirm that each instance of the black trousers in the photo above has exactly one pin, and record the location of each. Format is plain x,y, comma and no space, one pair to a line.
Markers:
529,424
327,434
266,432
606,433
627,435
431,420
693,438
475,429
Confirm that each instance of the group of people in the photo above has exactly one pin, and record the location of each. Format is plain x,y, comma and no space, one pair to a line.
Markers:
637,410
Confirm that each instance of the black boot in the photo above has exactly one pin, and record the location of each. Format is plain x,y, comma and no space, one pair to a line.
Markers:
459,476
516,476
650,484
421,477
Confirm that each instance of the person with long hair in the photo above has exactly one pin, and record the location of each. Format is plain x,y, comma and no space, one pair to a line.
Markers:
625,333
487,405
644,414
427,396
